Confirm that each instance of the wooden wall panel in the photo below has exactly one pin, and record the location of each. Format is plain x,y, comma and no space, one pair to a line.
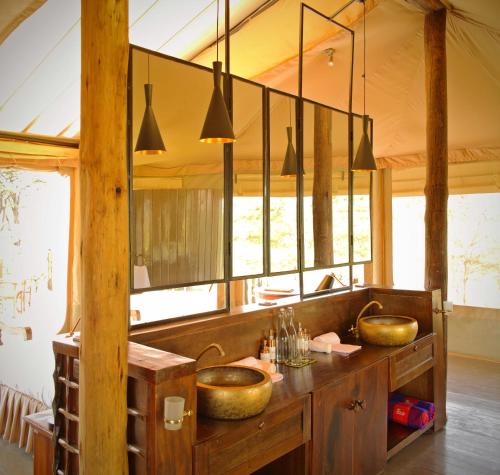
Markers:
178,235
240,333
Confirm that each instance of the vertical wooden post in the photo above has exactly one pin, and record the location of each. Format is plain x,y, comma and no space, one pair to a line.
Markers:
104,238
380,271
322,187
436,187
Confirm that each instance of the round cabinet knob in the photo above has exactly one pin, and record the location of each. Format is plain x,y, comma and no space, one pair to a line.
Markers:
415,348
261,425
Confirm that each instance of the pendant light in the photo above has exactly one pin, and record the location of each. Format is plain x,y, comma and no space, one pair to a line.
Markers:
289,168
364,161
149,141
329,52
217,127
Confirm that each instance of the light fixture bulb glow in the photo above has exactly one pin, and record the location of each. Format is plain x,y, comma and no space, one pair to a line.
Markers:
329,52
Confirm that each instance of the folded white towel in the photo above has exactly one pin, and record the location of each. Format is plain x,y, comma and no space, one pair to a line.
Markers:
331,338
320,346
344,349
266,366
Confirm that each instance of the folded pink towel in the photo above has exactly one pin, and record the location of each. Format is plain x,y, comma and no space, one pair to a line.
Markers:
320,346
266,366
344,349
330,337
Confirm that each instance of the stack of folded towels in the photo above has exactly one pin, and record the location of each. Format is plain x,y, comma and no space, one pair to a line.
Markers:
329,342
409,411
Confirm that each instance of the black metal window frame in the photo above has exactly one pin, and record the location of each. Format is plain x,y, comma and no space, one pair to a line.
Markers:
228,196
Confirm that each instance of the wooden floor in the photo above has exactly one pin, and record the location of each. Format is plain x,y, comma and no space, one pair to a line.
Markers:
469,445
470,442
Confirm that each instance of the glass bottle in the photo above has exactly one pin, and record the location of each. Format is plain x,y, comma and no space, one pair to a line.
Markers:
305,342
272,346
283,339
292,337
300,343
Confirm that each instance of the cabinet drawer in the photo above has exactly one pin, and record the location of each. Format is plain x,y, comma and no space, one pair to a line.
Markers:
411,362
256,441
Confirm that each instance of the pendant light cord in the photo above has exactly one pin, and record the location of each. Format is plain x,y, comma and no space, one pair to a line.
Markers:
364,57
290,109
148,70
217,32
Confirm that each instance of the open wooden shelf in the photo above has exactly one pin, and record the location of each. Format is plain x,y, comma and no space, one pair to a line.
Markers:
398,436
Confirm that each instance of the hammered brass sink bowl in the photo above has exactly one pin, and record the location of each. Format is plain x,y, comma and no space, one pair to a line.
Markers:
232,392
388,330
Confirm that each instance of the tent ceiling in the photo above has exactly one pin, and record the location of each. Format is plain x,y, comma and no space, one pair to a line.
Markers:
14,12
40,93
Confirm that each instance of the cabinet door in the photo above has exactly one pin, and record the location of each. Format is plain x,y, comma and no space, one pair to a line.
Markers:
370,422
333,429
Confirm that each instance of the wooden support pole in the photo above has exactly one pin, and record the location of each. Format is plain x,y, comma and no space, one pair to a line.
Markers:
379,272
436,187
322,187
104,238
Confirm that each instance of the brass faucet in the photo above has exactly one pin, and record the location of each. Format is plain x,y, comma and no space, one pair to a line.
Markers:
212,345
354,329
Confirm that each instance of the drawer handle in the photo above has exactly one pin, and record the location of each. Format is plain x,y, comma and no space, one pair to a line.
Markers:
357,405
415,348
261,425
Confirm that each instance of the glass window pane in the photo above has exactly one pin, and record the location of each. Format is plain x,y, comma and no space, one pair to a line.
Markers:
361,204
326,186
324,279
283,188
248,176
178,196
152,306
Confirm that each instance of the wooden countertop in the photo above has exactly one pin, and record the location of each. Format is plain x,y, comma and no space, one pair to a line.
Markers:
297,382
144,362
41,421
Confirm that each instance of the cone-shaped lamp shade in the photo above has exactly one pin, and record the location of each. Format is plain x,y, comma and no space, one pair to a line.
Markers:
364,161
217,127
149,141
290,163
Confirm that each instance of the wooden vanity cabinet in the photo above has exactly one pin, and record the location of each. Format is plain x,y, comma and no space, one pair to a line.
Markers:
255,442
350,424
412,361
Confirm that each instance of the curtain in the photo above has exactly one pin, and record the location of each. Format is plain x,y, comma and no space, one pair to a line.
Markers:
14,405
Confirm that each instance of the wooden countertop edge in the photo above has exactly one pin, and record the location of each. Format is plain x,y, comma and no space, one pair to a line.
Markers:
144,362
40,421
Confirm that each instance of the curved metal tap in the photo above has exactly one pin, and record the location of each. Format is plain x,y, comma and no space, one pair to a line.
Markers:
212,345
354,329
